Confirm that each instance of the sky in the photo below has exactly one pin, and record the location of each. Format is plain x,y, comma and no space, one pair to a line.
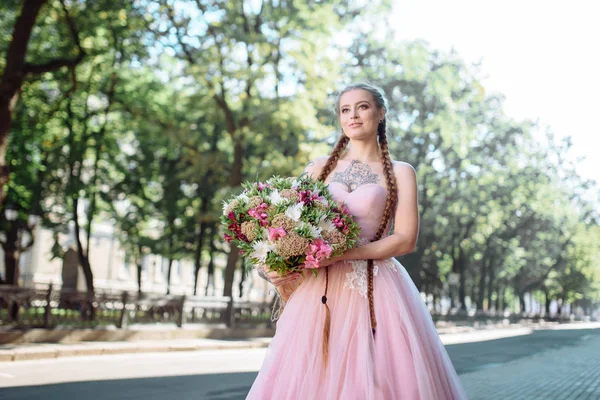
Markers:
542,55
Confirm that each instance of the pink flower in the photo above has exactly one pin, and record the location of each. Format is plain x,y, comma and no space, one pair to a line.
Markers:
260,214
311,262
308,196
228,238
276,233
318,250
261,186
338,221
231,216
321,249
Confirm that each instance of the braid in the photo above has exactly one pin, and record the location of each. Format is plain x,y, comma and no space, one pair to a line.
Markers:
390,205
334,157
325,171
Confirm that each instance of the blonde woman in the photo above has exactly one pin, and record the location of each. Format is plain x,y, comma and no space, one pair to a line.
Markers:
359,329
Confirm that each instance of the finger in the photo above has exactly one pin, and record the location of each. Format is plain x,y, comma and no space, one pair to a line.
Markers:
283,282
286,279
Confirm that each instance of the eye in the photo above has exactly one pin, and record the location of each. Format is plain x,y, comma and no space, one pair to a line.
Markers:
363,105
344,110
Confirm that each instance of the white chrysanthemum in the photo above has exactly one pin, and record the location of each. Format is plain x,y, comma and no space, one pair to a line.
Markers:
326,224
265,234
315,231
294,212
261,250
276,198
243,197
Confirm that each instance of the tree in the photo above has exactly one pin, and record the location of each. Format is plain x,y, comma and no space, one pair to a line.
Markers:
16,69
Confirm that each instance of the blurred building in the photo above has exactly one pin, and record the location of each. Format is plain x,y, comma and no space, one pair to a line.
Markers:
112,271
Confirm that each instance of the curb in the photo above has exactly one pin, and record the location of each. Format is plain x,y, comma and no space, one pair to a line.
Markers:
96,349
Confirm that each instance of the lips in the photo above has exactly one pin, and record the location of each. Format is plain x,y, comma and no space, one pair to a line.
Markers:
354,125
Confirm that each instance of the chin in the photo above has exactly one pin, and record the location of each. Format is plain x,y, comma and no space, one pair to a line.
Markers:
361,135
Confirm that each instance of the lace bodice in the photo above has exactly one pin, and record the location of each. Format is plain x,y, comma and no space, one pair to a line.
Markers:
366,202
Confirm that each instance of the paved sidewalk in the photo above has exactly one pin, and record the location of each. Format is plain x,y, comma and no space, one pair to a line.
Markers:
36,351
567,373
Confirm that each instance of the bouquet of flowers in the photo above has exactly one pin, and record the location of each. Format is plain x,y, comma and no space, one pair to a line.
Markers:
288,224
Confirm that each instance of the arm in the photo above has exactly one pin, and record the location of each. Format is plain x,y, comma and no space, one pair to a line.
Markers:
314,167
406,228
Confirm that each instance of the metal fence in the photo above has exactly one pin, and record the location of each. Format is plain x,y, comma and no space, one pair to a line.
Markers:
46,307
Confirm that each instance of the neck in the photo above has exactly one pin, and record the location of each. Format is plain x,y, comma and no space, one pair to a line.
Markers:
363,150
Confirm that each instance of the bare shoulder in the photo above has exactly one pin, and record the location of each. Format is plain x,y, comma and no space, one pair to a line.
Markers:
314,167
404,171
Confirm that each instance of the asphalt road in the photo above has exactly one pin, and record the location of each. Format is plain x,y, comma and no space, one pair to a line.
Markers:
228,374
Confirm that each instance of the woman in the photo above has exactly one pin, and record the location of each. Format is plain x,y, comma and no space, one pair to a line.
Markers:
359,329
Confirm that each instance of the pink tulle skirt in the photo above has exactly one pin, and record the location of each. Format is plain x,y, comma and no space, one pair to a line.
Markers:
405,359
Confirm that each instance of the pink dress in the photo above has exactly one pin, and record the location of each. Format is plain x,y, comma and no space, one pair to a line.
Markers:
406,360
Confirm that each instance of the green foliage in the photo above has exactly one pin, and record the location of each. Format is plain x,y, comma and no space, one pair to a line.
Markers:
176,103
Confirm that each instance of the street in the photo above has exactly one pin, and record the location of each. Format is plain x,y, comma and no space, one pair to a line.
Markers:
545,364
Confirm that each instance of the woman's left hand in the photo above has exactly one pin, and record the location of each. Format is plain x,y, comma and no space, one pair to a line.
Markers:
329,261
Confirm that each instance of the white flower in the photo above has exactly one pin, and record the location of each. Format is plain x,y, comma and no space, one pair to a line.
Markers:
225,208
243,197
294,212
276,198
265,234
261,250
326,224
315,232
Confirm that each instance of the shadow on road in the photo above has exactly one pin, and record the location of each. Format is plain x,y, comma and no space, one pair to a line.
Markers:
469,357
466,357
232,386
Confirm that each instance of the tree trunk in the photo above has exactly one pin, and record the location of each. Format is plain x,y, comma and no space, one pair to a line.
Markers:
490,286
12,79
522,302
11,265
236,180
169,275
242,280
138,267
198,255
83,259
462,280
11,255
547,302
210,270
482,283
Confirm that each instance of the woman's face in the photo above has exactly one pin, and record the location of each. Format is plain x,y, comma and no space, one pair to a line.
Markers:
359,115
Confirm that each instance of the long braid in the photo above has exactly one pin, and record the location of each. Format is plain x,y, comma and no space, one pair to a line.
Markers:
390,205
325,171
